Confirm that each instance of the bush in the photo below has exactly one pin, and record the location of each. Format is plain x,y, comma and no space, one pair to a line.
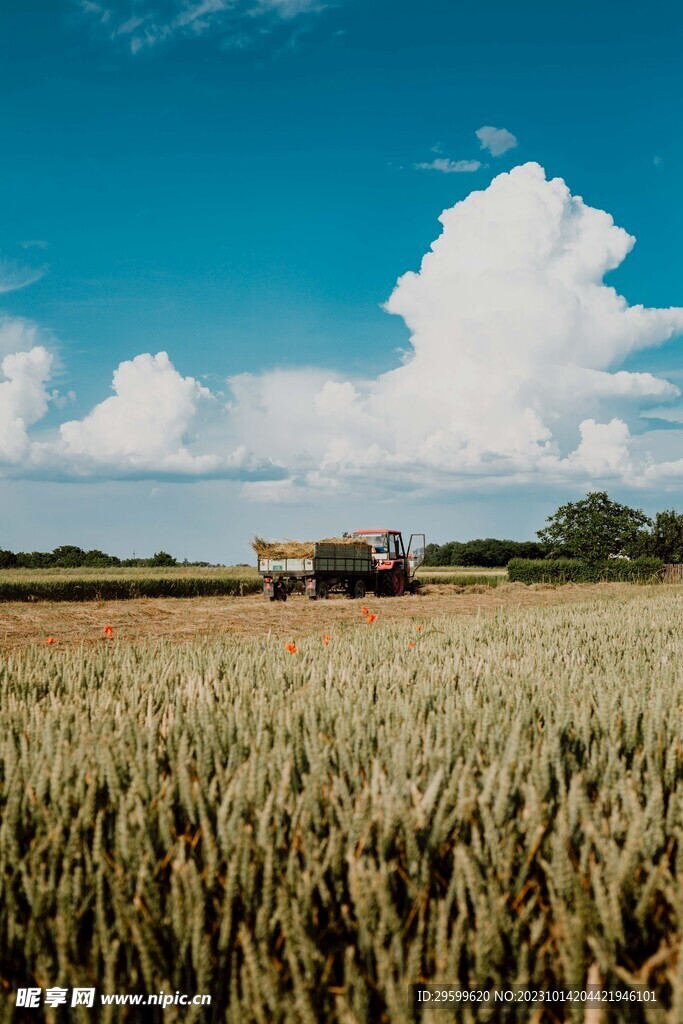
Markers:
575,570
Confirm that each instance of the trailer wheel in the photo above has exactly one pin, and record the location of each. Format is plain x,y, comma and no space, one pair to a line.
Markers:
322,590
357,590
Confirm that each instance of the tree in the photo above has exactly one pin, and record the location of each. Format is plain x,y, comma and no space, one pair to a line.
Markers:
667,536
432,554
161,558
68,556
595,528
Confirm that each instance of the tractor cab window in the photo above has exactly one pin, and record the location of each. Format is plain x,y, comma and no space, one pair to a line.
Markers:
379,542
396,545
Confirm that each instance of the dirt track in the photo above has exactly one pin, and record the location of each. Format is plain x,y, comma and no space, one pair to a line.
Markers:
253,616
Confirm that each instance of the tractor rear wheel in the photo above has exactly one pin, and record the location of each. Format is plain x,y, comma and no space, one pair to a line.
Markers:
398,584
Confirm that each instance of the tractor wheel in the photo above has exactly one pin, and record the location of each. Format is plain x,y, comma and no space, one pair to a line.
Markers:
357,590
322,590
398,584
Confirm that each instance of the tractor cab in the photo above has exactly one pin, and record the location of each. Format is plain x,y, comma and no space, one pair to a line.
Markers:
388,551
387,545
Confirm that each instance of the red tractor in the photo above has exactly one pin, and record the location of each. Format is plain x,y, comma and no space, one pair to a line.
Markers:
394,566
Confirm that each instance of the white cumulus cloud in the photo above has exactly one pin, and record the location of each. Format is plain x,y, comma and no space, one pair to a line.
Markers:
496,140
515,347
23,399
513,374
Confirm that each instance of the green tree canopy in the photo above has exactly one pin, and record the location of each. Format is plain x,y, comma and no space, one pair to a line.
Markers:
161,558
667,536
596,528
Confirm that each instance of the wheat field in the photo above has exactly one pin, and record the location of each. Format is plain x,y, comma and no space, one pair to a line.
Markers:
489,799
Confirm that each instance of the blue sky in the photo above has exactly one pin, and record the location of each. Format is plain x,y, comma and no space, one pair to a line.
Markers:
239,188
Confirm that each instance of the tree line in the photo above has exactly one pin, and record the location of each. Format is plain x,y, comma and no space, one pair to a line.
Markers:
487,553
68,556
593,529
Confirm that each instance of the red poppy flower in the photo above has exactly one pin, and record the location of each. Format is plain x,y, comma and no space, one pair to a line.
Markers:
411,643
419,627
365,611
291,648
370,618
49,639
108,632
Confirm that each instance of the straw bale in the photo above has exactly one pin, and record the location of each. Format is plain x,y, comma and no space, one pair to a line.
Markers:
299,548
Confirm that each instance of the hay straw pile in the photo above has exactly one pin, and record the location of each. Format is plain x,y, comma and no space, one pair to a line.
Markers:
300,548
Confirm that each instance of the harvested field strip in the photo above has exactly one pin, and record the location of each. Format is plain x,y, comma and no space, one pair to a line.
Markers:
303,835
71,623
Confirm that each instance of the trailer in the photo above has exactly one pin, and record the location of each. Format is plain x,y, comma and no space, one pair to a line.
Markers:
372,560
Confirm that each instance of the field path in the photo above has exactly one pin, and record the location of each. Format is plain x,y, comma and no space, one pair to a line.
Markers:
24,624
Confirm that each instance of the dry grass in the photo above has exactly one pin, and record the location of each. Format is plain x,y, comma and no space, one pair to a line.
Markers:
176,619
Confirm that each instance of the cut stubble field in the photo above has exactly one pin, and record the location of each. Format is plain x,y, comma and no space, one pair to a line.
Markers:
183,619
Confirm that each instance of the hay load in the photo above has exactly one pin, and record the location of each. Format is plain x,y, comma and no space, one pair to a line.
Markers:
302,548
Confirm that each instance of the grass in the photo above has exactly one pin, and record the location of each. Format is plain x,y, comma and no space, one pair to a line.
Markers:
303,835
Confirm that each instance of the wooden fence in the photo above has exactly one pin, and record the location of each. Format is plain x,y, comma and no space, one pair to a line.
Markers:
673,573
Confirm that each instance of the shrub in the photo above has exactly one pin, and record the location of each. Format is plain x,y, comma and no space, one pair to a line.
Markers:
575,570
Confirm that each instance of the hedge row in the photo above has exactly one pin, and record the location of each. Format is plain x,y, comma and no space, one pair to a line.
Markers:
575,570
123,589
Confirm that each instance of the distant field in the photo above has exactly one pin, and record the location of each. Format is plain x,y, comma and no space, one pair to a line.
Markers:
124,583
461,570
120,583
462,575
123,572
